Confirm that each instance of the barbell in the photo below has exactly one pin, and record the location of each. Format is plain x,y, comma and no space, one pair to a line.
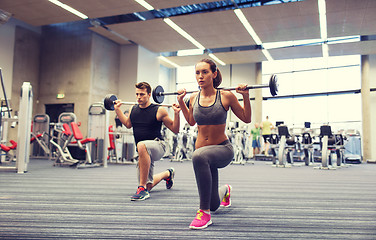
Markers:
159,93
109,102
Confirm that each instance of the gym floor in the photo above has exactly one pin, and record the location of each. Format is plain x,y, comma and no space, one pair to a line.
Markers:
267,203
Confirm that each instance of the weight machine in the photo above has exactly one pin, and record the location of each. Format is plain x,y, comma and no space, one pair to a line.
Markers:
307,145
83,144
239,146
60,138
185,144
40,137
353,149
121,146
98,124
330,145
24,126
274,144
286,147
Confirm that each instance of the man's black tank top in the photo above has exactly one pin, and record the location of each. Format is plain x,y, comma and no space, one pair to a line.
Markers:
145,124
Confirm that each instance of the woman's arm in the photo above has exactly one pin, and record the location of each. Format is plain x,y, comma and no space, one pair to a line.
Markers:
244,113
188,115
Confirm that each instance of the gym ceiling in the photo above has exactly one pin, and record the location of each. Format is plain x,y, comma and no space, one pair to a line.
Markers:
216,27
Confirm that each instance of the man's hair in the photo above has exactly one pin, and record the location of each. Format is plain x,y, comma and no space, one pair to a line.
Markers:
144,85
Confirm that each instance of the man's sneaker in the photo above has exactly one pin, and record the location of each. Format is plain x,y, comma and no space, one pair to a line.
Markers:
226,201
170,179
201,221
141,194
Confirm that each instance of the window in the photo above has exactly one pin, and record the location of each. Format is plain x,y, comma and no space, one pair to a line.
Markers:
315,75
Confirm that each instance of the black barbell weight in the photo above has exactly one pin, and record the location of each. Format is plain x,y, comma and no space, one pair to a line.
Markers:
109,102
158,92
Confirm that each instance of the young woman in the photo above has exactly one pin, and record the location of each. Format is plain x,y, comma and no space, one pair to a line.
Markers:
208,108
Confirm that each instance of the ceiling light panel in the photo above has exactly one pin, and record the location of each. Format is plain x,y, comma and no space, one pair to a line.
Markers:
145,4
215,29
69,9
100,8
108,34
239,57
154,35
187,60
216,59
183,33
164,59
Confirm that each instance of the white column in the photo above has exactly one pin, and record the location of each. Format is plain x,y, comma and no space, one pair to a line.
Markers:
257,107
366,117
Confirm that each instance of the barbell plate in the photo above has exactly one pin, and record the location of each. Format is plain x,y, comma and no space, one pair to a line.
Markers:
273,85
157,94
109,102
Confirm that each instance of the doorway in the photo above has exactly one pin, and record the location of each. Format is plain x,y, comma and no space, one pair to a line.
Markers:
54,110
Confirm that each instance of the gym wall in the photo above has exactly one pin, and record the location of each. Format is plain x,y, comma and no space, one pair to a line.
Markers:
21,62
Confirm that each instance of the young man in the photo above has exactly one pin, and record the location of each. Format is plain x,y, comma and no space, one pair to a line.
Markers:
146,119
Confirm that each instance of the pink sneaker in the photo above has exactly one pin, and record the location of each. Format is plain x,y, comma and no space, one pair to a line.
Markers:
201,221
226,201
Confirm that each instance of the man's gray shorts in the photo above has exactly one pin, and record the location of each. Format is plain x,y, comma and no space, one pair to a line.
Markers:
156,150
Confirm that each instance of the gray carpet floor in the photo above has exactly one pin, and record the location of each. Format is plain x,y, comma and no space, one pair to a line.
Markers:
267,203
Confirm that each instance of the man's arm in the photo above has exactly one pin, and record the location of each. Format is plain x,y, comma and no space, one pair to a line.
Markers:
173,125
123,119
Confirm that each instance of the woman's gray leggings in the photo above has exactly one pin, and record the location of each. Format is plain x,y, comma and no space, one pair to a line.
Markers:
206,161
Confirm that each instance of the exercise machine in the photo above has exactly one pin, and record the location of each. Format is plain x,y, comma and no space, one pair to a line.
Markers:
274,145
83,144
185,146
286,147
307,145
121,149
239,146
353,149
60,138
24,127
9,157
60,142
98,125
40,137
111,150
331,145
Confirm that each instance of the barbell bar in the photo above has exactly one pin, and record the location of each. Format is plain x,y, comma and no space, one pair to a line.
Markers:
109,102
159,93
